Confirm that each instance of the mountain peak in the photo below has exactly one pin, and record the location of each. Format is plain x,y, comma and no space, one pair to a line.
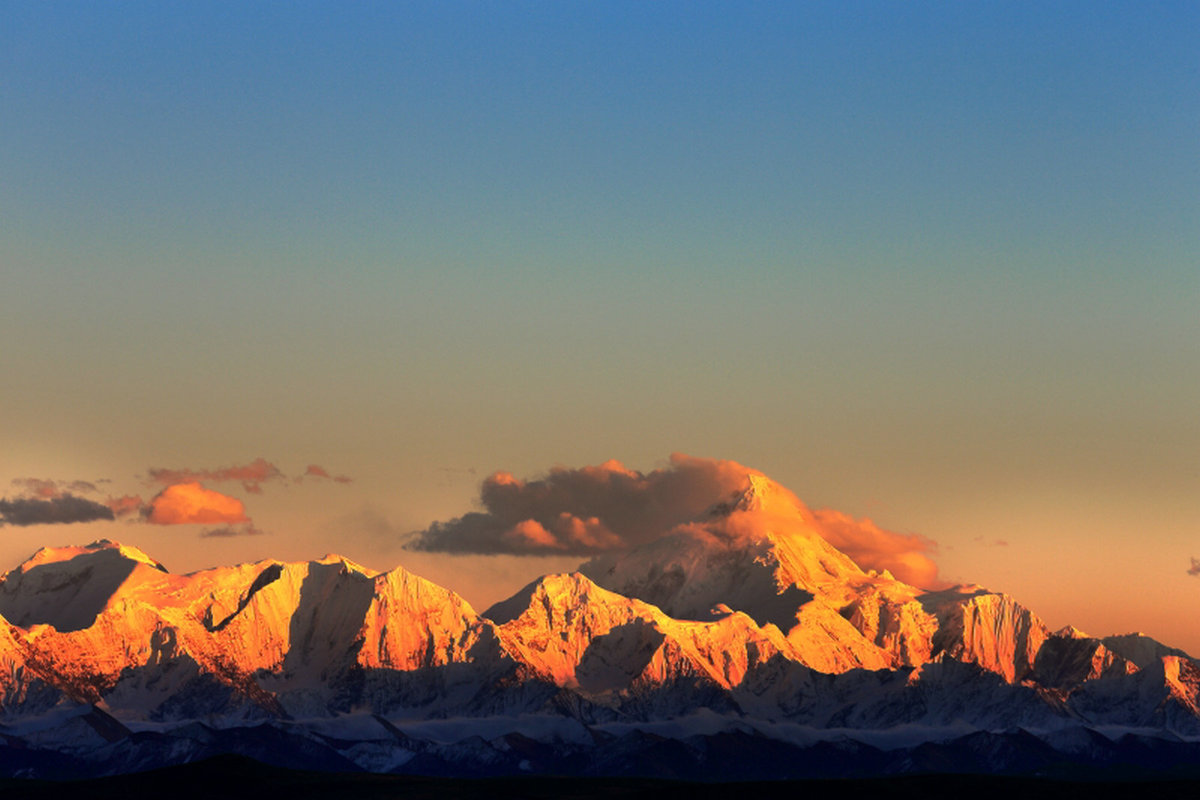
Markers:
1071,632
68,587
758,494
565,590
53,555
761,494
352,566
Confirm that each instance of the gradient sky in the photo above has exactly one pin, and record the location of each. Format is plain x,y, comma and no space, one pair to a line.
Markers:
933,264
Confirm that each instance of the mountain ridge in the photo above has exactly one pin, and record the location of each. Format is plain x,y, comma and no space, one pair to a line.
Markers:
743,619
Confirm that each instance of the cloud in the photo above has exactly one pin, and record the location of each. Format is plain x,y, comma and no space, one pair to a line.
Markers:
47,489
1194,569
585,511
54,501
905,555
226,531
187,503
251,475
55,510
609,507
126,505
184,500
317,471
38,487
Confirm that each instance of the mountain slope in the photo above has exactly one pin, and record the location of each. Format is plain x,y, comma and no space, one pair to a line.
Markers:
582,636
123,623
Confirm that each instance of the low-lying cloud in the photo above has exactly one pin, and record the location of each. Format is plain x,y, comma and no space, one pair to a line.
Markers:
1194,569
608,508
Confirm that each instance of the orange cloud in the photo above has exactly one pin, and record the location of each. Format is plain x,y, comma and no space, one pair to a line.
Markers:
871,547
589,532
187,503
251,475
530,533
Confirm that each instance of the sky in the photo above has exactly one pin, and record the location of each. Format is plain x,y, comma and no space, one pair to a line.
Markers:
935,265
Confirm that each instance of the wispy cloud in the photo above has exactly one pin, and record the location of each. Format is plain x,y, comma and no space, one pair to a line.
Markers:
46,488
228,531
320,473
251,476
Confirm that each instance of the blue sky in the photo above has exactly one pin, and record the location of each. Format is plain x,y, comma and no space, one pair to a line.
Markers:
933,263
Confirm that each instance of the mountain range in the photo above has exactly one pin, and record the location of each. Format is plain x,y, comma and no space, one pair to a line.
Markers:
740,645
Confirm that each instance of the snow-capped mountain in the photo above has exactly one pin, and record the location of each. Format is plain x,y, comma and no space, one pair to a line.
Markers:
763,553
743,629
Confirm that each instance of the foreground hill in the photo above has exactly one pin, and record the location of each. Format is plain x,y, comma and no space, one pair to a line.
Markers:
741,645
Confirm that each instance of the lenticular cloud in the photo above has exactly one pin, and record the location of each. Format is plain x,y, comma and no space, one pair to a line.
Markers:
609,507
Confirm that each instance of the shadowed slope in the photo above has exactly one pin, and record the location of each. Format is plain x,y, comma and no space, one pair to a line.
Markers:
68,587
